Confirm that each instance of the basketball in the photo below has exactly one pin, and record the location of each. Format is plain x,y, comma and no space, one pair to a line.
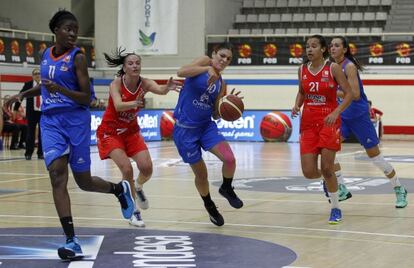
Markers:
167,125
275,126
230,107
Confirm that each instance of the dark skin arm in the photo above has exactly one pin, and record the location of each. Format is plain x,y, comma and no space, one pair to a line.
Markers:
82,96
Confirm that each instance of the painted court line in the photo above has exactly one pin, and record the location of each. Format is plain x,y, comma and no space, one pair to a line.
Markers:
81,264
231,224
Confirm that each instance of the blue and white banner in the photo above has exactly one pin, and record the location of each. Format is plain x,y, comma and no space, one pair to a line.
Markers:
272,126
148,27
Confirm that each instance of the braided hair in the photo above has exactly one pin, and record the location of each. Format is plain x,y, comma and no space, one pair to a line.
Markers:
57,20
118,58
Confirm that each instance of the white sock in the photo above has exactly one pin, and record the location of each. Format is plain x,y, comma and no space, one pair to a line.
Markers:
339,177
395,182
136,205
334,199
138,186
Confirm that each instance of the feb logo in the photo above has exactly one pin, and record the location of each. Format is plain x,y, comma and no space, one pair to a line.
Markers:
29,48
270,50
15,47
296,50
245,50
1,46
353,49
403,49
376,50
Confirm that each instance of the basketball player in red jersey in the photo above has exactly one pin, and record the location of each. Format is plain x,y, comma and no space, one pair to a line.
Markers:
320,123
118,135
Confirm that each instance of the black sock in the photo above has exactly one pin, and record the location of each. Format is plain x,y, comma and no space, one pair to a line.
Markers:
67,224
207,200
227,183
116,189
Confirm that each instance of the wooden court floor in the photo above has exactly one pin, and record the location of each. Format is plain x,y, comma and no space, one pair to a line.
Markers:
373,233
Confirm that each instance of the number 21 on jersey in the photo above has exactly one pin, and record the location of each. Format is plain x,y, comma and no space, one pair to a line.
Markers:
314,87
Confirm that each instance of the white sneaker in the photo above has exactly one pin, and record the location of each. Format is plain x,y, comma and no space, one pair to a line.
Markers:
136,220
141,199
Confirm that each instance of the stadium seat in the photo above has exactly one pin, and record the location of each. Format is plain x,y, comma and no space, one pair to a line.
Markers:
315,30
304,3
282,3
256,31
316,3
240,18
233,31
327,3
291,30
244,31
339,3
351,3
362,3
374,2
333,16
369,16
293,3
251,18
309,17
321,17
357,16
351,30
274,18
303,31
286,17
380,16
363,30
298,17
386,2
339,30
263,18
344,16
248,3
280,31
376,30
267,31
259,3
327,30
270,3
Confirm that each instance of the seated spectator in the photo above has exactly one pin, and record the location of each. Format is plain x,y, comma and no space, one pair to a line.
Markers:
19,118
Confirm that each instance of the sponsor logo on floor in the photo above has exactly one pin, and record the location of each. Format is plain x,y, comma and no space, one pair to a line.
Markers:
107,247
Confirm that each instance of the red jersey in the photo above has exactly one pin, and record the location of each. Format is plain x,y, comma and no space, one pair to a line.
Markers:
114,122
320,94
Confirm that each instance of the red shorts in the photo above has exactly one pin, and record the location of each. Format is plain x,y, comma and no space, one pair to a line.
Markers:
130,143
314,139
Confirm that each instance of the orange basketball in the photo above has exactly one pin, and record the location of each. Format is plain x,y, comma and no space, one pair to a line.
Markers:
230,107
276,126
167,125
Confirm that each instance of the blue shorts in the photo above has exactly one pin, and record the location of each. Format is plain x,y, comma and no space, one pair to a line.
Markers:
67,133
362,128
189,141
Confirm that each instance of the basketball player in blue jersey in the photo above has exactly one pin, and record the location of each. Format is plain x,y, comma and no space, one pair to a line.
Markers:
195,130
356,120
65,124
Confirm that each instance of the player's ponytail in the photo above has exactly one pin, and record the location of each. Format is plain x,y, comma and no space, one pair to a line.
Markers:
348,53
118,58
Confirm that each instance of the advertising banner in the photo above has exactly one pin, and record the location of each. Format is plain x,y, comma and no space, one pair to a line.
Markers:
292,53
148,27
15,50
254,125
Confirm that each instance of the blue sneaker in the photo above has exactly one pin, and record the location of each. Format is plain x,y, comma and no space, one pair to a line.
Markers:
126,200
71,250
336,216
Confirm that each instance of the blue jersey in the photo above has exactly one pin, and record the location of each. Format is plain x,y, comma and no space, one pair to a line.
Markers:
60,70
357,107
195,104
